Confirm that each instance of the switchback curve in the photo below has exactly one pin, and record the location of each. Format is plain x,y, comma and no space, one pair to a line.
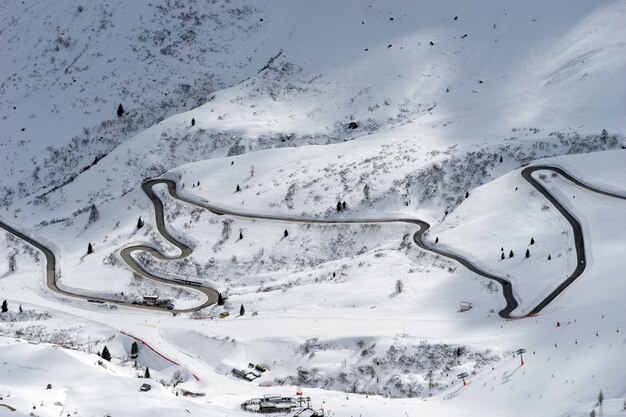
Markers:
507,287
211,294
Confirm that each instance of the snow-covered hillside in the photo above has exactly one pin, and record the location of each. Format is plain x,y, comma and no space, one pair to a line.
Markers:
350,125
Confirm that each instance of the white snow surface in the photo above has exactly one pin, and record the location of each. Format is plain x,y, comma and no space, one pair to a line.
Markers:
272,87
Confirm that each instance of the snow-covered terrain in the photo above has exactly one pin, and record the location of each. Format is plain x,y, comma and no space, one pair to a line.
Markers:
390,112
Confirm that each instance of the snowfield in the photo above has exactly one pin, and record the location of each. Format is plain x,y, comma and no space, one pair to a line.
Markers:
389,112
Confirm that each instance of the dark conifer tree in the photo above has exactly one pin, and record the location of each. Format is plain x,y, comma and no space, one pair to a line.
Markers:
21,310
147,373
193,122
532,240
140,223
437,239
338,205
240,235
242,310
527,253
220,299
5,306
89,249
511,253
466,194
286,233
238,188
344,205
549,257
120,110
134,350
106,355
502,255
94,214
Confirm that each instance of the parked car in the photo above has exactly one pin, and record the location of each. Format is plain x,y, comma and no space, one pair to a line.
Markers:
145,387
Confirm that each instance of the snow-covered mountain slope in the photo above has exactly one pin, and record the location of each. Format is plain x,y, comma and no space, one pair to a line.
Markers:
402,110
320,332
63,79
531,66
78,385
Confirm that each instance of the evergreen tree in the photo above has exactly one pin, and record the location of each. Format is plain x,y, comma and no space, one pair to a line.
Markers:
338,205
242,310
12,263
147,373
240,235
437,239
120,110
286,233
399,286
549,257
527,253
220,299
600,398
466,194
134,350
106,355
94,215
366,192
193,122
140,223
21,310
500,158
5,306
532,240
238,188
344,205
502,255
89,249
511,253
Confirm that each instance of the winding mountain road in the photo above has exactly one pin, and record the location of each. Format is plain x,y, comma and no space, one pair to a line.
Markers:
211,294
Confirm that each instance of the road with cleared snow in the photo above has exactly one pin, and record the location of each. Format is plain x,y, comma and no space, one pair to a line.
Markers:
51,270
212,294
